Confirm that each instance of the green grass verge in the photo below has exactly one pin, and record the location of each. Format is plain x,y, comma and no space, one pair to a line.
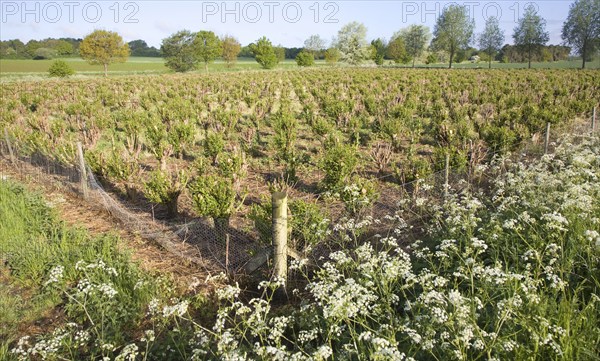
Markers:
44,265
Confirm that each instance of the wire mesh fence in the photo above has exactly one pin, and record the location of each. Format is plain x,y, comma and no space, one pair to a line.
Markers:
235,243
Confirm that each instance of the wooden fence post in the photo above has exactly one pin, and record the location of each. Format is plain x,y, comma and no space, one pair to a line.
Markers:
82,171
10,149
547,140
279,200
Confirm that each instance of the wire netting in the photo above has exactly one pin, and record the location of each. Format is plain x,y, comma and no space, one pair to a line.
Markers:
231,244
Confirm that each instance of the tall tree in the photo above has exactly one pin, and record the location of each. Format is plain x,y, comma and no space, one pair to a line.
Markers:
207,46
103,47
231,50
178,51
264,53
581,30
378,47
492,38
453,30
352,43
396,50
416,38
314,44
530,34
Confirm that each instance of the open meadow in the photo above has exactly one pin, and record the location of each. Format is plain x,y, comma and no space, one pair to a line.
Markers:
19,69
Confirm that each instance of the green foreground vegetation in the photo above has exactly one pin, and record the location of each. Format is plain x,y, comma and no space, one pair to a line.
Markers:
38,249
512,273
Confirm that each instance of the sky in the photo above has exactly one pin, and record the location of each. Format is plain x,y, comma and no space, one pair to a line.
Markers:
286,23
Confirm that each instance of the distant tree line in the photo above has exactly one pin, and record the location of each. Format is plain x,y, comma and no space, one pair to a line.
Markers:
39,49
64,47
546,53
452,40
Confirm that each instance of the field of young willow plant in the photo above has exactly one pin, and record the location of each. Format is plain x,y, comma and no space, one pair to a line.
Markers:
506,270
510,274
343,136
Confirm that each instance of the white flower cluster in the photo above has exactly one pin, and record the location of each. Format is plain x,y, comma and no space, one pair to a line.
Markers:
178,309
56,275
87,288
98,265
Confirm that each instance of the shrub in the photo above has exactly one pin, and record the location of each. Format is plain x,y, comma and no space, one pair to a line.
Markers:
414,168
305,58
60,69
264,53
285,126
431,59
214,144
164,188
500,138
339,163
458,159
358,195
116,166
307,224
214,196
332,55
44,53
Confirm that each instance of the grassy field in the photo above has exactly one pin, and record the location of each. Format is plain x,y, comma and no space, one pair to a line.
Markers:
11,69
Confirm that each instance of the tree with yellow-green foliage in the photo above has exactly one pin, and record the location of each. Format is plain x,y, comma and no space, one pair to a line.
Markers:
231,50
208,47
103,47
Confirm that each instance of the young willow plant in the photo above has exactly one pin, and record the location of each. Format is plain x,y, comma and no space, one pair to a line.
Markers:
215,197
515,277
164,188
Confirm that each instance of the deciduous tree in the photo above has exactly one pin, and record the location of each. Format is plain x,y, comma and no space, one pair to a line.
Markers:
178,51
453,30
305,58
378,47
103,47
207,47
581,30
397,50
352,43
314,44
231,50
416,38
492,38
530,33
264,53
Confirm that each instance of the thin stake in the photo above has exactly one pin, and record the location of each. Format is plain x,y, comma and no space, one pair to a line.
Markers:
82,171
10,149
547,140
227,253
594,121
447,176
